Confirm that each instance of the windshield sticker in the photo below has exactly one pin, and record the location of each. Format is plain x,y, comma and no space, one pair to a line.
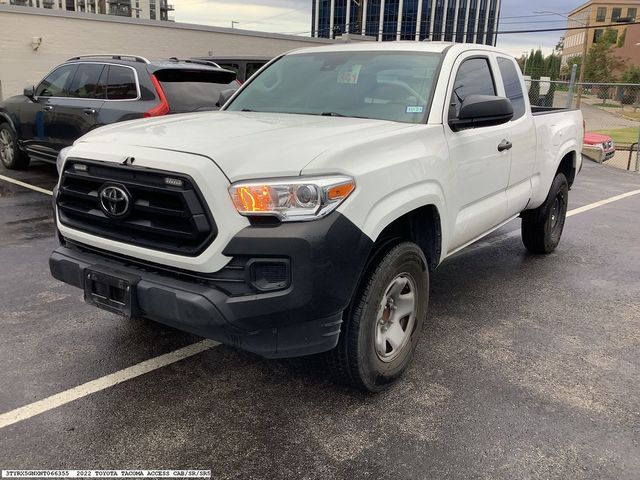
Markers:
349,74
415,109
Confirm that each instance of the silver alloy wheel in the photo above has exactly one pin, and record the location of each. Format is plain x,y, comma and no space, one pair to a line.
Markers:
6,147
396,317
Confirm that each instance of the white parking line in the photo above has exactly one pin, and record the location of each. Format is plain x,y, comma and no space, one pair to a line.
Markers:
25,185
59,399
591,206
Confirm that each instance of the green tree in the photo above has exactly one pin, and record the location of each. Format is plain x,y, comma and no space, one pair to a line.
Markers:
601,62
630,94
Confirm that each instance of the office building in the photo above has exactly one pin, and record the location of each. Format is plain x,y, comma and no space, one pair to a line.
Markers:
465,21
615,14
145,9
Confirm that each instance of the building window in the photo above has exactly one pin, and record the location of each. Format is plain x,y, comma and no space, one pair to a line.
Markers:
602,14
471,26
462,14
482,21
354,24
437,20
425,21
448,28
323,19
631,14
409,20
373,18
390,20
597,33
616,13
489,40
339,17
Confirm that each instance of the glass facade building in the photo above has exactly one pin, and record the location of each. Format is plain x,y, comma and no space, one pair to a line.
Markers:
469,21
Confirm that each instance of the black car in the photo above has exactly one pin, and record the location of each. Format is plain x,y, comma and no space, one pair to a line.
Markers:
90,91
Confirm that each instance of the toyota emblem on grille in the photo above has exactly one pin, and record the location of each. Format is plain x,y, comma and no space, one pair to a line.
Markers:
115,201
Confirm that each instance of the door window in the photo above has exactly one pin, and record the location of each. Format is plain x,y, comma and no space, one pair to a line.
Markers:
54,85
121,83
512,86
474,78
86,82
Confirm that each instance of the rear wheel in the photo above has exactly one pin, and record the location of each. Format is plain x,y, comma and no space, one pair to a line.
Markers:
542,227
381,329
10,154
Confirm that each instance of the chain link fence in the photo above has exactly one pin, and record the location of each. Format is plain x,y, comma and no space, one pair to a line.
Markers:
611,113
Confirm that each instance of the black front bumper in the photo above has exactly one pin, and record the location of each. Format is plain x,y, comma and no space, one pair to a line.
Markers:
326,259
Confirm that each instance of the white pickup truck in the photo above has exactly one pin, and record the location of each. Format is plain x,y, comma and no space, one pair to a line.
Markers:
306,216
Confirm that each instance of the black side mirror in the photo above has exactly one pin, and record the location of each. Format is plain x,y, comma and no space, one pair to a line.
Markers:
482,111
29,92
225,95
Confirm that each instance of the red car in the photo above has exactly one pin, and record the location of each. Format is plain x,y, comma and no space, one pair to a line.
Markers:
598,147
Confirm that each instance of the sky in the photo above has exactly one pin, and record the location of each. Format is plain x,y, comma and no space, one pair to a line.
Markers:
294,17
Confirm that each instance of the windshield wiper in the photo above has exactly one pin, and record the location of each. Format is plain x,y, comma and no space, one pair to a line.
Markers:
247,110
332,114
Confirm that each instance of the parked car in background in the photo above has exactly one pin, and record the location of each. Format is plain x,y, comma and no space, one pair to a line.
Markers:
244,66
598,147
87,92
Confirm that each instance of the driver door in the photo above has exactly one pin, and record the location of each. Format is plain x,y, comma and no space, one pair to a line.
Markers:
480,172
36,115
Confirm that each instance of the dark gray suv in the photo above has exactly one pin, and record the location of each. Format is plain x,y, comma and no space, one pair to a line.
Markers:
90,91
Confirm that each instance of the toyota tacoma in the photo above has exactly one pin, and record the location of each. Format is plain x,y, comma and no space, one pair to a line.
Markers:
306,216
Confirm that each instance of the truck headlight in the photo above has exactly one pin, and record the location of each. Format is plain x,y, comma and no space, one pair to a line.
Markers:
62,156
291,199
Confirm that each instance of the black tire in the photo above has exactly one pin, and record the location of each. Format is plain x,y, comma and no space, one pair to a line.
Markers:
356,360
10,154
542,227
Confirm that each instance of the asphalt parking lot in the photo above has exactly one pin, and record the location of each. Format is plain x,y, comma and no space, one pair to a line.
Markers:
528,368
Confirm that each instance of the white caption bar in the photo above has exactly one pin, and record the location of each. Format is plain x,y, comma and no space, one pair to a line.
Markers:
106,473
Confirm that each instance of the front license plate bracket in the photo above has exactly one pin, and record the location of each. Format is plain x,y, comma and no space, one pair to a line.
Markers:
110,290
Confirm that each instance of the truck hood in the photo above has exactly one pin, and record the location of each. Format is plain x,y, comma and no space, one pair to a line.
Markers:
244,144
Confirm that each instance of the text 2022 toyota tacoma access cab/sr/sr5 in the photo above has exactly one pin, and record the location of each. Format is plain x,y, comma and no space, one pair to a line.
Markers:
306,216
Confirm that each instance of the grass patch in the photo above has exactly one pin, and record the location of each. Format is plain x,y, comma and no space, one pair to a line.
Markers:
622,135
608,105
630,114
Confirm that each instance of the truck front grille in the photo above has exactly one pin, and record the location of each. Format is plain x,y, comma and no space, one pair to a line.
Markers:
148,208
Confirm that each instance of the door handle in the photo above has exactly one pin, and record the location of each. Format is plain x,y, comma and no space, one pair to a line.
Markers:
505,145
89,111
47,108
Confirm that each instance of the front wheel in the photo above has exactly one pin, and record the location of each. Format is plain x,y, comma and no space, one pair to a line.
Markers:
382,327
542,227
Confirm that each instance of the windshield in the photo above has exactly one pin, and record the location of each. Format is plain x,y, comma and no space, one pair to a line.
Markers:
393,86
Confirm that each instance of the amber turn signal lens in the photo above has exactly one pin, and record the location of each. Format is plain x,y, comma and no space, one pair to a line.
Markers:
339,192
